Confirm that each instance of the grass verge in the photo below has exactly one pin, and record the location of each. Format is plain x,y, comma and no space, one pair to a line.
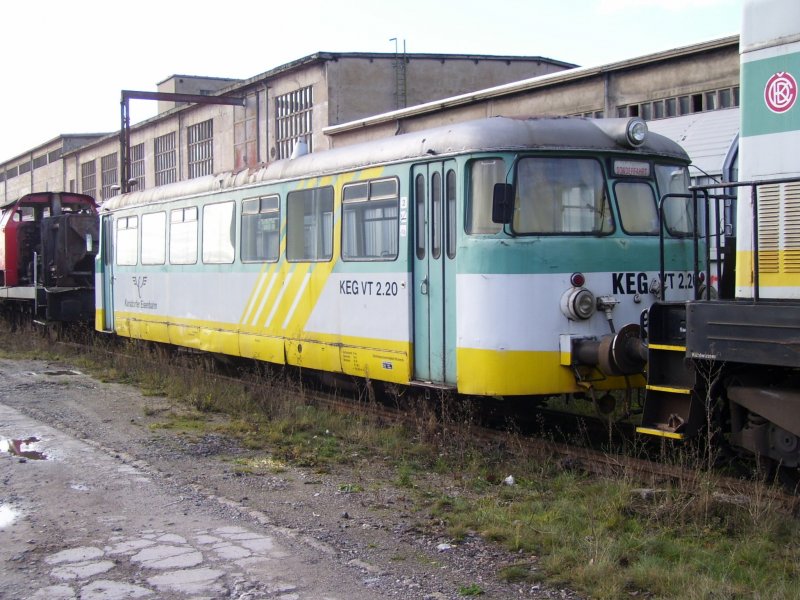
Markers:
604,537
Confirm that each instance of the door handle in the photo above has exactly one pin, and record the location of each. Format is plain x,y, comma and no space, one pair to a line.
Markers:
423,287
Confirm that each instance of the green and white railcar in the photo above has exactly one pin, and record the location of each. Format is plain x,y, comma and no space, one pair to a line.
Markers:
504,257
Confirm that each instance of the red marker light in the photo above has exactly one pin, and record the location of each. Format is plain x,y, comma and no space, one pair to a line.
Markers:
577,279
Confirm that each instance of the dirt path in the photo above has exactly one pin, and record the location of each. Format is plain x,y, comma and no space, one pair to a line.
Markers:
117,509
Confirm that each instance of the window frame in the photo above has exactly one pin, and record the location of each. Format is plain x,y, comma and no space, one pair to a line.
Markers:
476,223
164,159
646,183
145,258
131,223
604,188
174,259
200,149
369,201
322,232
213,249
249,216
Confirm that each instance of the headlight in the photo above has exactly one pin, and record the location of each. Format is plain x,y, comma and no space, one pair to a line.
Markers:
636,132
578,304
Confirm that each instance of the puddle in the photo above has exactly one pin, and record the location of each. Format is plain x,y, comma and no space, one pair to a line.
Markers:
53,373
7,515
16,448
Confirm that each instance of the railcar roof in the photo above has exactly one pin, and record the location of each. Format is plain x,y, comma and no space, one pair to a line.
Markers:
46,197
485,135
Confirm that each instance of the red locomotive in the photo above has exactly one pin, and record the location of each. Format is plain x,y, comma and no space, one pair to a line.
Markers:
48,243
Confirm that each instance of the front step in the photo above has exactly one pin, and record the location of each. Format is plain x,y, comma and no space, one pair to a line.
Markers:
673,406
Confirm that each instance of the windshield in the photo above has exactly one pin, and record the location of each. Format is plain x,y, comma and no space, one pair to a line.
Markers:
678,214
561,196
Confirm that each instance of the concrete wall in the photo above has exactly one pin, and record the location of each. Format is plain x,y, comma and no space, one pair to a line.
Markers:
48,177
360,87
604,90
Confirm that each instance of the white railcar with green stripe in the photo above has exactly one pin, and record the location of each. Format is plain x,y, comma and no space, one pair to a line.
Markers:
499,257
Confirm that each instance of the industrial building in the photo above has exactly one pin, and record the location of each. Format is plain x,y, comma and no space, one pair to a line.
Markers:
277,108
334,99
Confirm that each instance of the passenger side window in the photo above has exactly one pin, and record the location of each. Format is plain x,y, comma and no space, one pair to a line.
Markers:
219,233
309,224
154,238
483,175
127,240
183,236
261,229
370,212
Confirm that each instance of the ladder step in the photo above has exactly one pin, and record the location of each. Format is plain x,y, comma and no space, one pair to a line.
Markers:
669,347
660,433
669,389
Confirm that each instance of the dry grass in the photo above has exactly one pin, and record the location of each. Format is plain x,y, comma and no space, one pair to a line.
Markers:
607,537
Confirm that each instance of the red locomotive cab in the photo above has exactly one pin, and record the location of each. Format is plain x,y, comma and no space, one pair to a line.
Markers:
12,218
21,227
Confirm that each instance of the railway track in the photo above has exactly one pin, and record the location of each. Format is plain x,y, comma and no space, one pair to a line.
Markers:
592,455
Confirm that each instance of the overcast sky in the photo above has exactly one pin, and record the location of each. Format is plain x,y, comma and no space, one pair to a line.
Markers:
65,62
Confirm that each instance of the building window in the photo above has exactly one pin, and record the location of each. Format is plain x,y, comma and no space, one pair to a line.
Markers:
108,175
682,105
137,166
293,120
89,178
165,163
39,161
10,173
54,155
25,167
201,149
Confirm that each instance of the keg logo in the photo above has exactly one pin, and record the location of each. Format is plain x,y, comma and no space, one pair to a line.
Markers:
780,92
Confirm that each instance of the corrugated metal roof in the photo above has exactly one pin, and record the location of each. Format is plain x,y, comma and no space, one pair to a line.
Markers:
706,136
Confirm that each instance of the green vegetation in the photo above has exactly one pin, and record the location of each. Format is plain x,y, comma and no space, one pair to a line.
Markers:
605,537
472,589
